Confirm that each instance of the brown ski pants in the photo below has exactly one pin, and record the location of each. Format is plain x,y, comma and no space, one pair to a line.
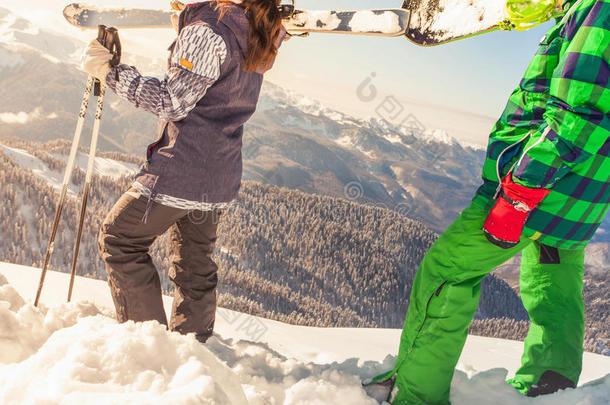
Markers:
124,243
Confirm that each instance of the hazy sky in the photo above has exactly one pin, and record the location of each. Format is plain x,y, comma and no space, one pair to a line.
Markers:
474,75
460,87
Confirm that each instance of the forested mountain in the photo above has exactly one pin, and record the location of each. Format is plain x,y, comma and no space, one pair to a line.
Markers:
283,254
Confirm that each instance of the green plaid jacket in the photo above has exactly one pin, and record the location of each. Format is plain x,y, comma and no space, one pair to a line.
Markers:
555,130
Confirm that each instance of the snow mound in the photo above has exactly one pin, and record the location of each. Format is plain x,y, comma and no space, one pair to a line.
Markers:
489,388
74,353
25,328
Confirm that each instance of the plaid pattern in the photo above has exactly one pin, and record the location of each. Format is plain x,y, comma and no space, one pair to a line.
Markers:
562,108
194,68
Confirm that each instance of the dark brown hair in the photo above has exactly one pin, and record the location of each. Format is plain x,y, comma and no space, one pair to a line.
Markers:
265,30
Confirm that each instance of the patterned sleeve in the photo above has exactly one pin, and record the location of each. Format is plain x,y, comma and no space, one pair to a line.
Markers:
576,123
194,67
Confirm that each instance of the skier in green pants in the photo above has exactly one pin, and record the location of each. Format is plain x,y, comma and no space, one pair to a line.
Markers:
546,190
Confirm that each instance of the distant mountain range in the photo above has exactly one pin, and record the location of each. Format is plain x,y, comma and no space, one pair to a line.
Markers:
291,141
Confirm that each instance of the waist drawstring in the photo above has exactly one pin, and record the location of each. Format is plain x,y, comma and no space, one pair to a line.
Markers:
148,208
151,200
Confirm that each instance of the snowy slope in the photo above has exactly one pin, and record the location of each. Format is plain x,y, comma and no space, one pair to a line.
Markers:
37,166
102,167
72,353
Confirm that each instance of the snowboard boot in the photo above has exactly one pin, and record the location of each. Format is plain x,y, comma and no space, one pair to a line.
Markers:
380,390
549,383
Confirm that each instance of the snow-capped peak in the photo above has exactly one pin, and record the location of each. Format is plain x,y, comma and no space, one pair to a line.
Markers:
277,96
441,136
17,34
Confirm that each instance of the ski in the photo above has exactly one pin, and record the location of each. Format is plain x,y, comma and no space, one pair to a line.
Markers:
375,22
422,22
436,22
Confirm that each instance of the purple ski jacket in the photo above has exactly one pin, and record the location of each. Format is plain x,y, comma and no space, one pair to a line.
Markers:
197,156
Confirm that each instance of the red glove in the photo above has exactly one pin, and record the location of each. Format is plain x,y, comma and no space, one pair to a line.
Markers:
506,220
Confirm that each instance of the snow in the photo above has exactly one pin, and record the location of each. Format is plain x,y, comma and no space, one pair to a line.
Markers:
102,166
89,357
283,97
17,33
37,166
393,138
440,136
327,19
274,96
45,19
75,353
459,17
367,21
347,142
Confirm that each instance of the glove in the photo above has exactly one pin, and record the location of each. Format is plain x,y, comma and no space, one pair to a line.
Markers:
507,218
96,60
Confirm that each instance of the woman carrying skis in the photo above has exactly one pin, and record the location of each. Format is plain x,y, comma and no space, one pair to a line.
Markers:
194,169
546,190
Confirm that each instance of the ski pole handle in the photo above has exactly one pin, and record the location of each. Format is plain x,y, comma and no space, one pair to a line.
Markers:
101,38
113,43
109,38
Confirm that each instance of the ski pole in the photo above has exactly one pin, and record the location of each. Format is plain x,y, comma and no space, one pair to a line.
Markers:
110,39
105,36
67,177
87,187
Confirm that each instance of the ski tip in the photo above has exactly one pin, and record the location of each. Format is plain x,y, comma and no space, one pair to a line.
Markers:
72,13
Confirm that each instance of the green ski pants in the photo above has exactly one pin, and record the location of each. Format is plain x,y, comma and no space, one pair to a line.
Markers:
445,298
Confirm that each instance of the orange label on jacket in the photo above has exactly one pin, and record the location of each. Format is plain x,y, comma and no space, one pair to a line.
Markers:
186,63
